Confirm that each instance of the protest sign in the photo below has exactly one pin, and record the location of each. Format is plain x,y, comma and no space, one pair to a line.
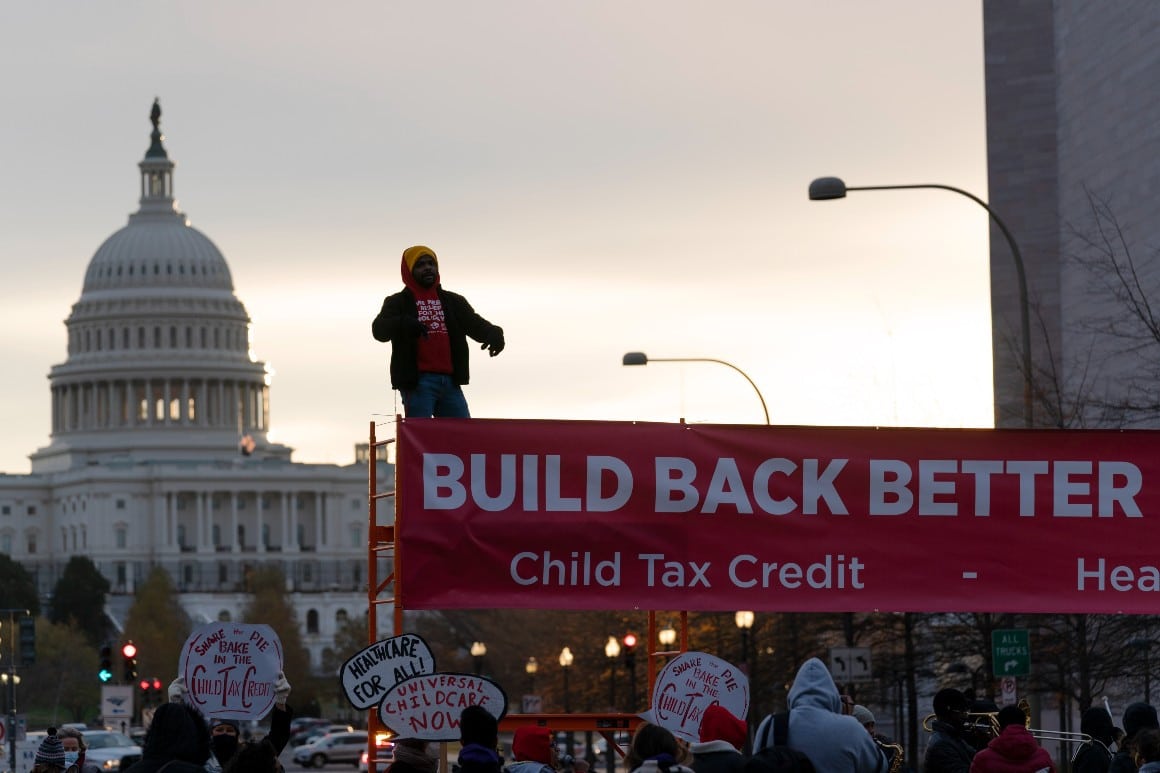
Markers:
372,672
230,669
691,683
428,707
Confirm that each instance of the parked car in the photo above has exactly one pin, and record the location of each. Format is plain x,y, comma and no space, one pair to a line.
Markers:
110,751
313,733
333,747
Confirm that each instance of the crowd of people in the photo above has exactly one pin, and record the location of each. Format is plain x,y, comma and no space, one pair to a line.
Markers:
822,730
181,740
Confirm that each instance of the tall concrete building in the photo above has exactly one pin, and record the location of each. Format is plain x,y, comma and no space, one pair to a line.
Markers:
159,452
1073,127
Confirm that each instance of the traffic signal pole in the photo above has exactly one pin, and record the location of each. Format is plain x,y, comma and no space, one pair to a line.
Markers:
12,637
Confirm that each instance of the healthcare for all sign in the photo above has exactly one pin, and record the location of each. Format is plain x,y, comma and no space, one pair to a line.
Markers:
613,515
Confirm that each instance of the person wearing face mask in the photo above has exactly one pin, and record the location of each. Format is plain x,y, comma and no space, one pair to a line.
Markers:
224,733
73,742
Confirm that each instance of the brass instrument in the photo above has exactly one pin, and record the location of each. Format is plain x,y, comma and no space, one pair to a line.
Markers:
893,752
988,722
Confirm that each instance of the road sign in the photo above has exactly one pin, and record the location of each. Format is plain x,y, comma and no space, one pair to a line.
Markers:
1011,652
850,664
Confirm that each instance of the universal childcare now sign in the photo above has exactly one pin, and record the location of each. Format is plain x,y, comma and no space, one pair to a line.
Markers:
610,515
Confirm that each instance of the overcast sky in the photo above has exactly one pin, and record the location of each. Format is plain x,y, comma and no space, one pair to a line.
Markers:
596,177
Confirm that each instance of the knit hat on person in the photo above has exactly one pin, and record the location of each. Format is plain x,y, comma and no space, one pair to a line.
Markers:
411,754
864,715
411,255
478,726
50,751
533,744
948,700
1139,716
223,721
1097,723
719,724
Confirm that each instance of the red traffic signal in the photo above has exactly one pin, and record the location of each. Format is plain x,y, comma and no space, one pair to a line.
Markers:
129,649
156,684
144,685
629,640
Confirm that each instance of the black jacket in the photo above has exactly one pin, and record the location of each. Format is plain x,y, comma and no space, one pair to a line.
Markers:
948,751
462,322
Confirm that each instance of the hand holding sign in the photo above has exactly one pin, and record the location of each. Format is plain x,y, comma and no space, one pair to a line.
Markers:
230,669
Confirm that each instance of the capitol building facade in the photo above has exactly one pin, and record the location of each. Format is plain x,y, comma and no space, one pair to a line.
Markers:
159,452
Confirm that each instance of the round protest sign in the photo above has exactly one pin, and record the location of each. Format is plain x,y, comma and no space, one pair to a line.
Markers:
428,707
372,672
230,669
691,683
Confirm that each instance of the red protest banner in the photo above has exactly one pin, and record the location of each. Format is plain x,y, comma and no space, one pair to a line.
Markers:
612,515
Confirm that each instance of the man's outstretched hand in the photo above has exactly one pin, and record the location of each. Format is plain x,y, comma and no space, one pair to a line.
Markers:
495,345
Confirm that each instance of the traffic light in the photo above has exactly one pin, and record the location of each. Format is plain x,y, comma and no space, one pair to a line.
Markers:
28,640
156,690
144,685
629,642
129,656
105,674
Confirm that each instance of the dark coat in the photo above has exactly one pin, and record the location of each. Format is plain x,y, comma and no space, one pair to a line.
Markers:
1093,757
717,760
948,751
462,322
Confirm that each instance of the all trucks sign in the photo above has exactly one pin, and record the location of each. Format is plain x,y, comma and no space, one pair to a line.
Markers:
610,515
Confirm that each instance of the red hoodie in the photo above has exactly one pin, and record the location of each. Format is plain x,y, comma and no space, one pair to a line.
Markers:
1014,751
434,349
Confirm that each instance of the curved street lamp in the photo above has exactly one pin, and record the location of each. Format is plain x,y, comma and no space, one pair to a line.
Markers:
566,664
828,188
531,667
640,358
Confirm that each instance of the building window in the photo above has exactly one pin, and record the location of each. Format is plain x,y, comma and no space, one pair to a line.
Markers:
223,575
355,535
120,504
308,572
266,535
312,621
121,537
121,574
241,536
6,510
5,543
32,509
31,544
340,618
181,535
187,574
217,535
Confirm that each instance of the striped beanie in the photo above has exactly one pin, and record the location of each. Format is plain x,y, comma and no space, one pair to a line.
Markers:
50,751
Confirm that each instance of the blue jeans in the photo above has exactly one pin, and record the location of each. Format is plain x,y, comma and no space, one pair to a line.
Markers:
437,395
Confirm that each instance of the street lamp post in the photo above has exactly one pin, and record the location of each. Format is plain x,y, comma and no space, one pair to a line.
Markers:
566,666
667,636
478,650
827,188
640,358
744,621
612,652
531,667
